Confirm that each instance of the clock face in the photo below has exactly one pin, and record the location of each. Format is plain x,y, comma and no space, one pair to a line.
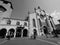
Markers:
2,9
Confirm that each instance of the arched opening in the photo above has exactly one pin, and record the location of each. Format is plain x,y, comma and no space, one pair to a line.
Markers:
11,32
18,32
3,32
25,33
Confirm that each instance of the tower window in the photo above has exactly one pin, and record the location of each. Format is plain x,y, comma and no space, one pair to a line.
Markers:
18,23
51,24
40,22
34,23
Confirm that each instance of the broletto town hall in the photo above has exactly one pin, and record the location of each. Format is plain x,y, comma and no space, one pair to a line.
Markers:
23,28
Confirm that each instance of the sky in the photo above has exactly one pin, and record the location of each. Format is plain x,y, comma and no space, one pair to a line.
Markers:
21,7
56,16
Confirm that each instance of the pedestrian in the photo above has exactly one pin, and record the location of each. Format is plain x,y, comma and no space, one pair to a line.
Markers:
35,34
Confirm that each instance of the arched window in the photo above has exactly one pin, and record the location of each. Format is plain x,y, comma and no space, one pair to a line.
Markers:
40,22
34,23
9,22
3,32
18,23
25,24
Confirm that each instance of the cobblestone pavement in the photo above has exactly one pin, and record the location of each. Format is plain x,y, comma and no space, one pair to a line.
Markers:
1,40
54,40
25,41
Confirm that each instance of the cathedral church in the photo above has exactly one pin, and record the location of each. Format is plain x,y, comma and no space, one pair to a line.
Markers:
23,28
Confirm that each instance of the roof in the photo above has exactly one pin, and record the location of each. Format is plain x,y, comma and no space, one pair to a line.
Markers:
14,19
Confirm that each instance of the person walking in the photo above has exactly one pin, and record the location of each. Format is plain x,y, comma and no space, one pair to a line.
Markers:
35,34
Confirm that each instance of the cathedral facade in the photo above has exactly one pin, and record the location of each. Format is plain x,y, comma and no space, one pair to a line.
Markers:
39,19
22,28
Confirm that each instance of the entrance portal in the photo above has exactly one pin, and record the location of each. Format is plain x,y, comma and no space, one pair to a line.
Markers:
18,32
25,33
3,32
